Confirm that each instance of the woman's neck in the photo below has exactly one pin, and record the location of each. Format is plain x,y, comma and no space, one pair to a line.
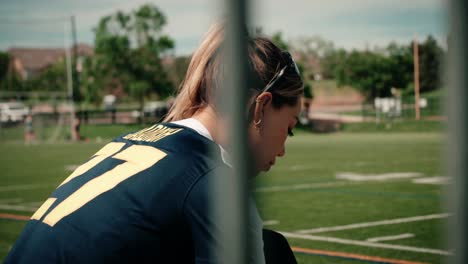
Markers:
213,123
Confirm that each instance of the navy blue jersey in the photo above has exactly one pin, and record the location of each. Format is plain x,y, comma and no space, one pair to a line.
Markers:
144,197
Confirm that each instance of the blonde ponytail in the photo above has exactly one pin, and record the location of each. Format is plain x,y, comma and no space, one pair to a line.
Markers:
195,91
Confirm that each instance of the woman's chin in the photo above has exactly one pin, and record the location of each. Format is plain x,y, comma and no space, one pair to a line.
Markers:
262,168
266,167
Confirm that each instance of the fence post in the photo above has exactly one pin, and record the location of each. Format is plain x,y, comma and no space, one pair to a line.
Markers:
231,203
457,110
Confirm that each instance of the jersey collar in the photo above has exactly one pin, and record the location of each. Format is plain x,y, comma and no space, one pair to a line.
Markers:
201,129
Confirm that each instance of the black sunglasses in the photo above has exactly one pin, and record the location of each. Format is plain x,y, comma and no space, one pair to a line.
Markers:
278,75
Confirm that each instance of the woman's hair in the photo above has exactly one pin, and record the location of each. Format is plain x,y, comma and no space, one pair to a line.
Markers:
204,75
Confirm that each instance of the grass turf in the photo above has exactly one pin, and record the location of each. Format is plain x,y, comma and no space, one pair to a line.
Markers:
316,159
311,159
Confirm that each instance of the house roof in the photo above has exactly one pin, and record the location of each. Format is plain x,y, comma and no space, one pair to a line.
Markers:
39,58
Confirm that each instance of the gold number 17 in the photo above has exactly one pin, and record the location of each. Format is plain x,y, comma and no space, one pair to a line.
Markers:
137,158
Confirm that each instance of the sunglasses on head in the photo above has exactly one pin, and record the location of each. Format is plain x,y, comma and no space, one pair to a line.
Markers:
277,76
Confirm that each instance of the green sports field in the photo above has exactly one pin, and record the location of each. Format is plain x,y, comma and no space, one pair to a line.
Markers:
341,197
356,194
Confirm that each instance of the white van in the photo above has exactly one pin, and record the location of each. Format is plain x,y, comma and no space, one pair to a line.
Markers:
12,112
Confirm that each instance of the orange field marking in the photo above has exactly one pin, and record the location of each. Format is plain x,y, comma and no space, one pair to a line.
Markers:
294,249
352,256
14,217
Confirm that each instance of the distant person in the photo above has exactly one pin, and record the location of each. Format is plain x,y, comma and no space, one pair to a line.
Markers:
146,196
113,115
28,129
76,129
86,116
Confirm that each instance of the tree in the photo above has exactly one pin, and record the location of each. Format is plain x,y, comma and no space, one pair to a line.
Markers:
9,78
430,59
177,69
52,79
277,38
402,67
310,52
307,86
128,50
4,65
331,62
375,73
314,46
369,72
91,81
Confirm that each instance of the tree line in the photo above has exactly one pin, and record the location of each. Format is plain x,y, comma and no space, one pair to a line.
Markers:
127,60
130,48
375,72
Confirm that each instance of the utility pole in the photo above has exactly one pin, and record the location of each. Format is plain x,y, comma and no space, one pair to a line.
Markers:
75,80
10,72
69,76
416,77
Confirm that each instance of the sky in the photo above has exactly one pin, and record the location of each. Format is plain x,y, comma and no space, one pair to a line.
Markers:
350,24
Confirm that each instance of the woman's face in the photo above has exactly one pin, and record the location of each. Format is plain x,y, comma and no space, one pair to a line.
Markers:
268,137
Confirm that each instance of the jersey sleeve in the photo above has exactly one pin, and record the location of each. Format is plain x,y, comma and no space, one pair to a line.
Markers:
199,212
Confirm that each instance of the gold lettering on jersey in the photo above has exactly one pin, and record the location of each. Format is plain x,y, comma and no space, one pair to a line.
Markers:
152,134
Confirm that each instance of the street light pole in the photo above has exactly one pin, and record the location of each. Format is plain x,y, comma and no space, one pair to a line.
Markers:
416,77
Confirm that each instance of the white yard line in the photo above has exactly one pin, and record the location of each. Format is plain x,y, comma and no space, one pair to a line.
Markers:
296,168
439,180
17,204
300,186
366,244
387,238
24,187
21,208
376,223
377,177
270,222
71,167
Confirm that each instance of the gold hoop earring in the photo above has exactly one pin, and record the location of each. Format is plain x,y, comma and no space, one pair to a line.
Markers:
257,125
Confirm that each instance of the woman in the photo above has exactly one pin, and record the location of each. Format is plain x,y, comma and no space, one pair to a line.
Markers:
145,197
28,129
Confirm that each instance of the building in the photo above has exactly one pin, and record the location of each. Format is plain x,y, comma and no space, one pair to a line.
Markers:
29,62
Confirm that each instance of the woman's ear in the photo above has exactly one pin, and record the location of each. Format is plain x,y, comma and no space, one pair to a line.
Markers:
264,98
261,102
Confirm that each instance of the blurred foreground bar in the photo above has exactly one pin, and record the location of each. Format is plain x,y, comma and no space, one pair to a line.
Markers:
457,107
232,191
